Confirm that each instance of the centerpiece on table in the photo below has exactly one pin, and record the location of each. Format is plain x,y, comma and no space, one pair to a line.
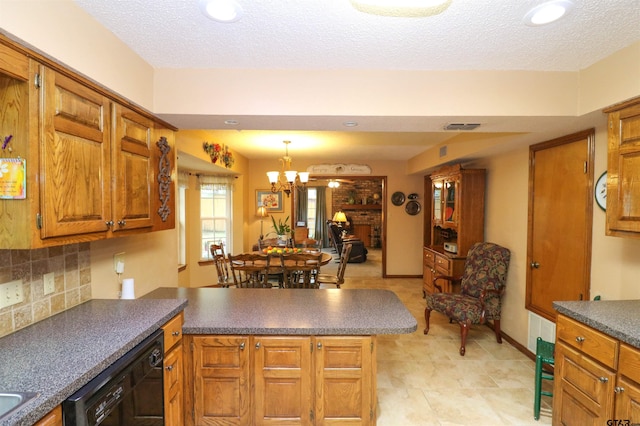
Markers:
282,228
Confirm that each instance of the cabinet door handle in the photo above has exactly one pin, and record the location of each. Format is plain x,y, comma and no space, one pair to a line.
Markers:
109,223
319,345
603,379
175,333
579,339
535,265
242,346
258,345
169,367
618,389
122,222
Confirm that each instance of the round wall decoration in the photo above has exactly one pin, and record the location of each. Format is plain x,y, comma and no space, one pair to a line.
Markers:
397,198
413,207
600,191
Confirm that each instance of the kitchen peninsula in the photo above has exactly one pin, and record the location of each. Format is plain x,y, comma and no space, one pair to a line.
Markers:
287,355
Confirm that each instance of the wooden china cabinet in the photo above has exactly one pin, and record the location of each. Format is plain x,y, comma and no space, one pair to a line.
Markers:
455,222
623,170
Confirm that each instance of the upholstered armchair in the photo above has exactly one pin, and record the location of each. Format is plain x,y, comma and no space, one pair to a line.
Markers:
358,250
482,287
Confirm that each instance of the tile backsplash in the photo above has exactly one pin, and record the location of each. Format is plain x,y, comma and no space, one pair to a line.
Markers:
71,265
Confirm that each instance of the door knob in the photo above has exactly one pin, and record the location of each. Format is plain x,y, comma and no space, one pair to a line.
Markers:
535,265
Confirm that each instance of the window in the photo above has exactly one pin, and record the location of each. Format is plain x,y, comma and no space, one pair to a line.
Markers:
215,214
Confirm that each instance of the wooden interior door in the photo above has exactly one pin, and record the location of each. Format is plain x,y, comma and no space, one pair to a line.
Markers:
560,220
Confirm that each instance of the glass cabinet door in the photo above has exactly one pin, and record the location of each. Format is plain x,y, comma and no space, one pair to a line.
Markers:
437,202
450,202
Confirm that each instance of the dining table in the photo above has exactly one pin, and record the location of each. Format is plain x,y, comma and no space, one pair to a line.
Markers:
275,270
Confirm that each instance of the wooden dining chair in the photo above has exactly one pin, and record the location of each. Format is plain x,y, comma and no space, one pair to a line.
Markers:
220,261
337,279
250,270
300,270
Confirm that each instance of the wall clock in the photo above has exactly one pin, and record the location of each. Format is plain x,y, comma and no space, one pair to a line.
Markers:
600,191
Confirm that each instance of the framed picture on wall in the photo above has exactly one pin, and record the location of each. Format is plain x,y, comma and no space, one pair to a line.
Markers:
271,200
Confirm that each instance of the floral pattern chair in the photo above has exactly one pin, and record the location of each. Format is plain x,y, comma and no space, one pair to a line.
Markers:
482,287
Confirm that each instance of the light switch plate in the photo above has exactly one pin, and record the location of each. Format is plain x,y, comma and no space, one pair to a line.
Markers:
11,293
49,283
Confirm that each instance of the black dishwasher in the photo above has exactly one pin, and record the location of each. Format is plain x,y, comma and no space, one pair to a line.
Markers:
128,392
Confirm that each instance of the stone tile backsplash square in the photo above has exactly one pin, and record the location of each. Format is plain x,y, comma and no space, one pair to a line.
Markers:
71,265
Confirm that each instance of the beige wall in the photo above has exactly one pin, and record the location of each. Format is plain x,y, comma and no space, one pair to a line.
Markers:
65,32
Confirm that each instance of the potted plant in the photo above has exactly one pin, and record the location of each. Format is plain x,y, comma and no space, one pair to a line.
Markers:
282,228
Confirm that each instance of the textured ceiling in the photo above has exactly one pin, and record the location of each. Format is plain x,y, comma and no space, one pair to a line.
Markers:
331,34
319,34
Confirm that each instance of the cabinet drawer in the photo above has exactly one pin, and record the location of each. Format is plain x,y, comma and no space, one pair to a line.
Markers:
429,258
442,265
593,343
173,331
629,362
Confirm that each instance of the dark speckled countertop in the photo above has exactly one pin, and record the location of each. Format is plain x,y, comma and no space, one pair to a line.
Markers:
291,311
617,318
57,356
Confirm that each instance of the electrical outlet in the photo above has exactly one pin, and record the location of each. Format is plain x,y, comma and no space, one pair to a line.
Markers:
11,293
49,283
118,263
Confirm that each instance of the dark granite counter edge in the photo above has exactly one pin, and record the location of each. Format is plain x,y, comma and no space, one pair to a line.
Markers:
363,331
598,325
45,402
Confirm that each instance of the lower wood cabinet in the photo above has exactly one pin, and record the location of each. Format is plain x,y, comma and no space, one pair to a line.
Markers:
436,263
597,378
298,380
173,375
53,418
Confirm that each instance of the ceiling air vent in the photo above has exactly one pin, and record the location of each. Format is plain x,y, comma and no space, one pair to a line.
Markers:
461,126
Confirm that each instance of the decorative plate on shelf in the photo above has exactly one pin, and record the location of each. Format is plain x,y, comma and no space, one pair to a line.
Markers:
397,198
413,207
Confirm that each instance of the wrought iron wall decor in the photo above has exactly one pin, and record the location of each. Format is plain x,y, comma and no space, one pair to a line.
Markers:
164,179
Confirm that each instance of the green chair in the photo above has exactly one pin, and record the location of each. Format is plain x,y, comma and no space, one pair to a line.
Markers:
544,355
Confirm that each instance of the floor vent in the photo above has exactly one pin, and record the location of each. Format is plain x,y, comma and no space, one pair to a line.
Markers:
462,126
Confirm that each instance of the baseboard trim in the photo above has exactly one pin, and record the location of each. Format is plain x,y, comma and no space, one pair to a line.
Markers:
514,343
402,276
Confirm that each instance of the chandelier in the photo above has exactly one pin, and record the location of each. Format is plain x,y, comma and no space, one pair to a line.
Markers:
287,179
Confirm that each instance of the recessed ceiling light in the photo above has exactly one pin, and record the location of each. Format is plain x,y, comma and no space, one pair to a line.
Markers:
350,123
402,8
221,10
231,122
548,12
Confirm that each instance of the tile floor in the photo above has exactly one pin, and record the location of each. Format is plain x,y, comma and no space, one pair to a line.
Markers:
422,380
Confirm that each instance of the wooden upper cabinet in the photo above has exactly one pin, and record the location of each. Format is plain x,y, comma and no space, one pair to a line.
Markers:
623,171
75,158
132,169
94,165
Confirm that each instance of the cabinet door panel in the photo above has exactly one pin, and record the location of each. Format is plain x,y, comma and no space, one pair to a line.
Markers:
345,380
282,380
173,386
221,383
583,389
75,158
623,179
132,170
